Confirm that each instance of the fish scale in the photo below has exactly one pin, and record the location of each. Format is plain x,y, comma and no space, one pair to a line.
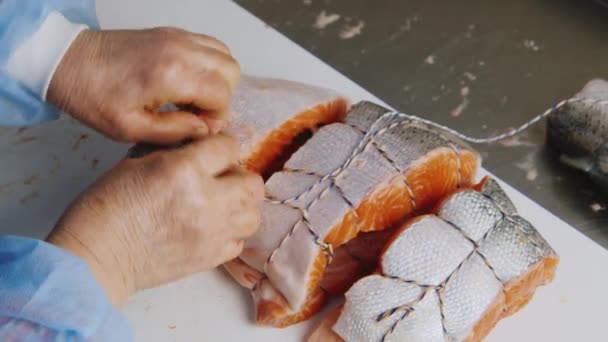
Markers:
366,173
370,117
476,222
533,235
474,282
373,295
499,197
356,179
467,294
416,142
579,132
428,253
337,139
509,250
328,212
422,324
580,125
340,164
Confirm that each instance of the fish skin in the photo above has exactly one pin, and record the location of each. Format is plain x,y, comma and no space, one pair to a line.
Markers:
367,115
580,133
257,110
327,202
511,246
261,106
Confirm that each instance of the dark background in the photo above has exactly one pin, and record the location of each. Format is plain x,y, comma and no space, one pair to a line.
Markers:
502,62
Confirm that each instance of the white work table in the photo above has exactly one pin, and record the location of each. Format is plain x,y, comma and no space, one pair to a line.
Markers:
44,167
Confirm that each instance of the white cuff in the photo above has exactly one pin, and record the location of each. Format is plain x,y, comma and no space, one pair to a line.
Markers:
34,62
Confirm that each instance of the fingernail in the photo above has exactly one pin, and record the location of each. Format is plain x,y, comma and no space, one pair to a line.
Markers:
215,125
202,130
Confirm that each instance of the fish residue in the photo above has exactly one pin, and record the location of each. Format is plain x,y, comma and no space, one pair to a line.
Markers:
531,45
6,186
596,207
515,141
57,165
464,92
324,20
532,174
24,140
351,31
407,26
30,180
456,112
80,139
29,197
470,76
529,167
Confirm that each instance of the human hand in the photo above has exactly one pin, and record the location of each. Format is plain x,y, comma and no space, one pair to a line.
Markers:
164,216
115,82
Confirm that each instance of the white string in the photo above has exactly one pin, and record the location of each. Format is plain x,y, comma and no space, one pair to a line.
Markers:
520,129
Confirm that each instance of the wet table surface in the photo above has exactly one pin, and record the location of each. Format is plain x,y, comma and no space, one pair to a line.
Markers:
481,67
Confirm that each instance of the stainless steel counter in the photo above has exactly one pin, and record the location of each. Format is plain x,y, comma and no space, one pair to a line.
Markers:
481,67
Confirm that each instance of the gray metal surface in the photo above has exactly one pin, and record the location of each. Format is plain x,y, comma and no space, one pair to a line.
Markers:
478,66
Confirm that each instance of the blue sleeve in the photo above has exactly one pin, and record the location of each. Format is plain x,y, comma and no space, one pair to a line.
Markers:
31,47
48,294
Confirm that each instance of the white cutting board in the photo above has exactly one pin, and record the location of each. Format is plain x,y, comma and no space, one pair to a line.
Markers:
210,307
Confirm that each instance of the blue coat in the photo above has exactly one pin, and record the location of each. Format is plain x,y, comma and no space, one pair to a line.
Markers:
46,294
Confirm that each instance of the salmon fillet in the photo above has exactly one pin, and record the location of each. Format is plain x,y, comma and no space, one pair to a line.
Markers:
268,114
450,276
354,260
271,118
362,175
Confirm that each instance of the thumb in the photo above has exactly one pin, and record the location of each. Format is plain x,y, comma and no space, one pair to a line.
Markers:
165,128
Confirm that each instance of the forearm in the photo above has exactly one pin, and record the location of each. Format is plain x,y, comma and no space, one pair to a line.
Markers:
34,35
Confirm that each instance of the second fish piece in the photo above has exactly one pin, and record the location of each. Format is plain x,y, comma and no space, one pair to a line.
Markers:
447,277
579,131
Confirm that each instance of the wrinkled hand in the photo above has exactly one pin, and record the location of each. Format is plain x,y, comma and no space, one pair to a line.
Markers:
115,81
167,215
